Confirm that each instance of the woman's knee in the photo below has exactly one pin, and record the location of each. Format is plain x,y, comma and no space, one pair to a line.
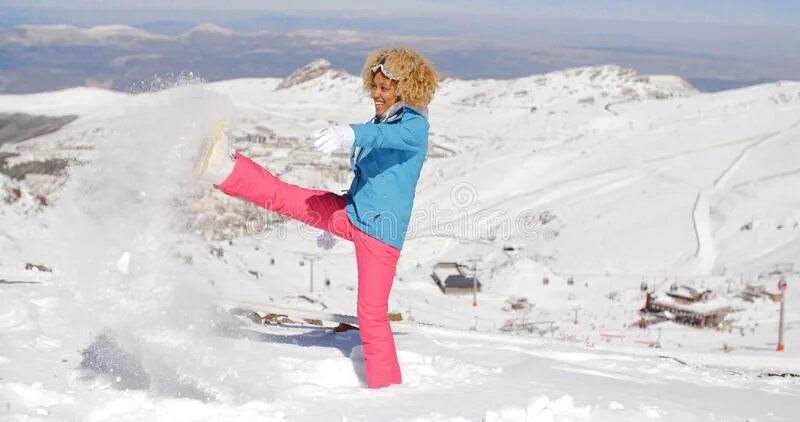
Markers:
372,313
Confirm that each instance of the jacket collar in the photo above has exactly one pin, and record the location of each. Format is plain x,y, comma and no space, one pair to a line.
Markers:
421,110
396,109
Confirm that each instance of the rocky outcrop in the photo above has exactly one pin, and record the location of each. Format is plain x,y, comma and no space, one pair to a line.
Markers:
20,127
306,73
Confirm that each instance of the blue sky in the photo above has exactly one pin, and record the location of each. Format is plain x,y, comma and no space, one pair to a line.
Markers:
751,12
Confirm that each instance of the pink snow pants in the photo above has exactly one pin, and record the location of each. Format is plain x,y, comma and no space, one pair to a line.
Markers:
376,261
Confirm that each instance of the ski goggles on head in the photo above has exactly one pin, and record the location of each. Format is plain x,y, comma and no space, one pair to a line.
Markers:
383,70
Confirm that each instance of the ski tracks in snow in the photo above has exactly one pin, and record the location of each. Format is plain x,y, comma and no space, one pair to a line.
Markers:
706,248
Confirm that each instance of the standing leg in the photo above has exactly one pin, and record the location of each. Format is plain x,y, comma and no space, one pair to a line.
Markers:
376,267
321,209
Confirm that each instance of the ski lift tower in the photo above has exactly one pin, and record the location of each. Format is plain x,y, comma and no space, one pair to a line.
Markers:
782,287
473,268
310,258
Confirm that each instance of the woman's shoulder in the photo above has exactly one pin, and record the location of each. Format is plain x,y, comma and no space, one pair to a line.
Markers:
413,118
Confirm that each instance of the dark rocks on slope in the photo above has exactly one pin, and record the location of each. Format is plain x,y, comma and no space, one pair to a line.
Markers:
20,127
54,166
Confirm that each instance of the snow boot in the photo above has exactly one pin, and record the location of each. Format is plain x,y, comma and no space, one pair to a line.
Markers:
216,160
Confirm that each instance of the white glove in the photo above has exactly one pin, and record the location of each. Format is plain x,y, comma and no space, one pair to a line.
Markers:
334,138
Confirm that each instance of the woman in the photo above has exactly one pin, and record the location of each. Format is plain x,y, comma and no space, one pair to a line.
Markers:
387,154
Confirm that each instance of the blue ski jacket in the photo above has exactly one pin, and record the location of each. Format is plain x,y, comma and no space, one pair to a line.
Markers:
387,160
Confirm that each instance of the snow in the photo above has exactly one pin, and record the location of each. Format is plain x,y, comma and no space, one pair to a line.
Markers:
206,29
55,35
65,102
649,182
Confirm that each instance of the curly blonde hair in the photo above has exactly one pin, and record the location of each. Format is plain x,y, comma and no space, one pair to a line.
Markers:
418,78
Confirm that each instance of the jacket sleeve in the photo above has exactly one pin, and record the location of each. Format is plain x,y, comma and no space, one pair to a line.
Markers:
410,135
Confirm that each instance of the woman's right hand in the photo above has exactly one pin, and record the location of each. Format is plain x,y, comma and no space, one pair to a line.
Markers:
334,138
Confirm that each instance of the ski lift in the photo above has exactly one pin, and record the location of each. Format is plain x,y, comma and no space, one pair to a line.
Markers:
643,287
570,281
673,287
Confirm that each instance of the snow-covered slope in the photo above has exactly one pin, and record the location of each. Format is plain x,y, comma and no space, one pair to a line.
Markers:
596,174
69,101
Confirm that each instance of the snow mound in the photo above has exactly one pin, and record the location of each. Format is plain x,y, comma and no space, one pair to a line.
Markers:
32,396
332,372
542,409
424,370
139,406
17,315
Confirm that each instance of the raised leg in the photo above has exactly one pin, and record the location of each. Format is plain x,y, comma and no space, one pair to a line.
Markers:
321,209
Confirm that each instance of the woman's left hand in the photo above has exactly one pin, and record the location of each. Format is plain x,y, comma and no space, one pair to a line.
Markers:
334,138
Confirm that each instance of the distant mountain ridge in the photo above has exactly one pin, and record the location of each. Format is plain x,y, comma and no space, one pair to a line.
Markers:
122,58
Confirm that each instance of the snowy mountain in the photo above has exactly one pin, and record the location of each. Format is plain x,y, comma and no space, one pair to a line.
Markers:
601,180
55,57
61,35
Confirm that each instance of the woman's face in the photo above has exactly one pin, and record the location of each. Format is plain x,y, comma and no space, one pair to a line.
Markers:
383,92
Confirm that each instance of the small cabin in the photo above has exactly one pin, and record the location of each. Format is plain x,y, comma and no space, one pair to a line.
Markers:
452,279
682,315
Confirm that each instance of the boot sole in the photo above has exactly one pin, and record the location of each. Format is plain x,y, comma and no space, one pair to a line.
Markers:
208,146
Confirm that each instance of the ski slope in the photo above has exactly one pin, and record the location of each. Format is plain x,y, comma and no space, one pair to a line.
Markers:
647,181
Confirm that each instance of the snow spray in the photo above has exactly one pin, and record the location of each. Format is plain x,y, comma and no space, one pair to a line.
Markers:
119,237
